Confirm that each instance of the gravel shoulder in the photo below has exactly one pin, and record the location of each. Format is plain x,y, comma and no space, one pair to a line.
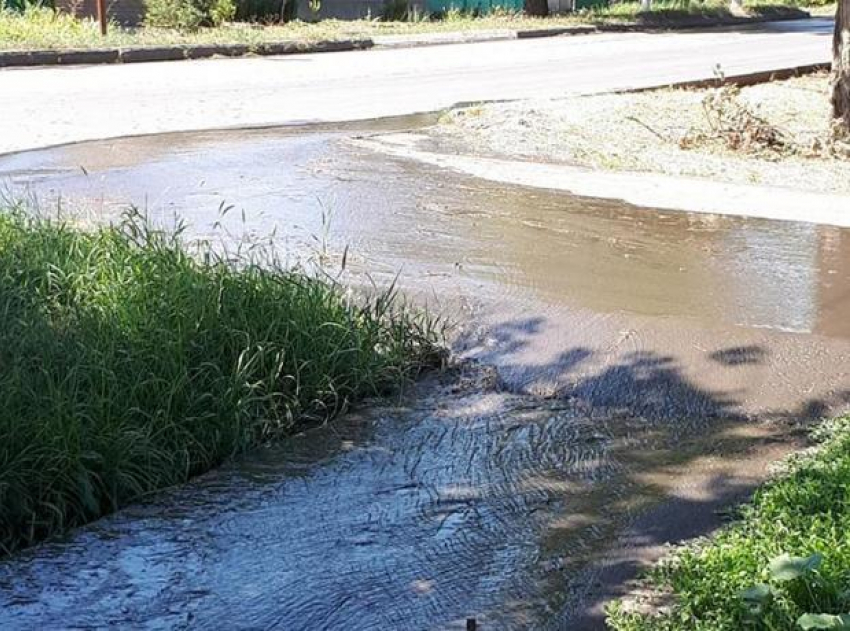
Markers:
644,132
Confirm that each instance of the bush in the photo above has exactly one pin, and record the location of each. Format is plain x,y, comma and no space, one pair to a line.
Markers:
127,365
188,14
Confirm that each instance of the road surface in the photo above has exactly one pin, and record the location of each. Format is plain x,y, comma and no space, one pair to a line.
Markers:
49,106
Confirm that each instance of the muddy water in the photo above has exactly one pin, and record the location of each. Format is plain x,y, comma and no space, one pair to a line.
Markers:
632,372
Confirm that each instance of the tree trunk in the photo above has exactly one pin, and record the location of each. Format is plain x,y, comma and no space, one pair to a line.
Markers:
645,6
841,68
540,7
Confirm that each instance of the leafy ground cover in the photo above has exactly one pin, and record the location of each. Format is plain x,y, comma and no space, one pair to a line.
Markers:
783,566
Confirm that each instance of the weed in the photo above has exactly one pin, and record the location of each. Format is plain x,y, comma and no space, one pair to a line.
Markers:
736,127
129,365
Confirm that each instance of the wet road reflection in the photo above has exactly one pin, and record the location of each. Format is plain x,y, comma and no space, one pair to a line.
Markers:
398,215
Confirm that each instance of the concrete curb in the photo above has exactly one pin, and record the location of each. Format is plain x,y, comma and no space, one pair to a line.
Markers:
171,53
439,39
10,59
743,79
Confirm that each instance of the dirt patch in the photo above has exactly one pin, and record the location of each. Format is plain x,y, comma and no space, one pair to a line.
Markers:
670,131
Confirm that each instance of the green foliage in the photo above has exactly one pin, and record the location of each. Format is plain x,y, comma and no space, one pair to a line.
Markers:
20,27
129,365
788,568
746,578
188,14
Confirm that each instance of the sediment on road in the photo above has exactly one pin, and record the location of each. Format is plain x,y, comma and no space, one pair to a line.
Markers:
763,150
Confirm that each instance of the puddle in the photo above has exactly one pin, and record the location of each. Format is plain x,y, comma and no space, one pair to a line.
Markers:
623,361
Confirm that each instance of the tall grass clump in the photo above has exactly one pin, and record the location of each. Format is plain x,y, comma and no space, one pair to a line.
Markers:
128,365
785,565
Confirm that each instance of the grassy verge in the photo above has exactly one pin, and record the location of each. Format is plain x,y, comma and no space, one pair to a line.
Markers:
41,28
129,365
784,565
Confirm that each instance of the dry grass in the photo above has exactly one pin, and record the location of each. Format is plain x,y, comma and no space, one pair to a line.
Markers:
665,131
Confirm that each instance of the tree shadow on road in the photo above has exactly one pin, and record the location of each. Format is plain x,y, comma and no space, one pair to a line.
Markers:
685,453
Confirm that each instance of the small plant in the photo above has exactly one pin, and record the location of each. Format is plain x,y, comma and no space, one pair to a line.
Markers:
735,126
796,580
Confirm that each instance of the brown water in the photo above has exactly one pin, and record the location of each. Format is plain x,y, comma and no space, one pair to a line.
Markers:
632,371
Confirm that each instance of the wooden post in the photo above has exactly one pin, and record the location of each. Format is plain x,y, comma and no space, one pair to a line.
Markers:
101,15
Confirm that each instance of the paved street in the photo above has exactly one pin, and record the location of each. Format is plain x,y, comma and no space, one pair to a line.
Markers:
47,106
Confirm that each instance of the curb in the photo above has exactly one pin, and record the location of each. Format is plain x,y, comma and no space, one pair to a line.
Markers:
171,53
138,54
699,23
744,79
659,26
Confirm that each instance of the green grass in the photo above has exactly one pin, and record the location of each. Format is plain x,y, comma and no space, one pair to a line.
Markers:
669,11
804,512
127,365
41,28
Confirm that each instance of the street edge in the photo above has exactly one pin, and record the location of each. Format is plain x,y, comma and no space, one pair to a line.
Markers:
742,79
31,58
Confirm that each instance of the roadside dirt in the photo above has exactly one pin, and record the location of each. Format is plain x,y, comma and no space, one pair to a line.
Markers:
670,131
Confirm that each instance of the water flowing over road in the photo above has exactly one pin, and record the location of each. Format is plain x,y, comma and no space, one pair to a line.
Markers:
626,372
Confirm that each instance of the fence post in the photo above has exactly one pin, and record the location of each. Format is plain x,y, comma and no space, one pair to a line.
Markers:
101,16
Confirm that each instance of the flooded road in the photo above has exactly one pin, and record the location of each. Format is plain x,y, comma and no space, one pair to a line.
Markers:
629,372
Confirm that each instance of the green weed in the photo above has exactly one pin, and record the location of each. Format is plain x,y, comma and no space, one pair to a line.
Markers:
128,365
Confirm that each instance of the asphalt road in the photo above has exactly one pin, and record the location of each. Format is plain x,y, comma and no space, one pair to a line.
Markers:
47,106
